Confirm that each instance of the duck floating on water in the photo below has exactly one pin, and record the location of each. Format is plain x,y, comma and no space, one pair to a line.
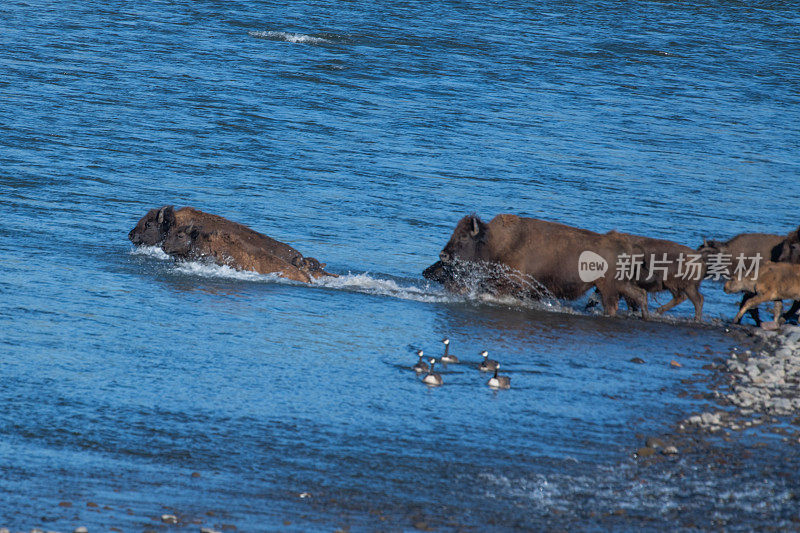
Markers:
447,358
432,378
487,365
421,365
499,382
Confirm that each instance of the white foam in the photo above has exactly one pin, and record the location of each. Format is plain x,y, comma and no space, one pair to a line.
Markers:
211,270
150,251
287,37
370,285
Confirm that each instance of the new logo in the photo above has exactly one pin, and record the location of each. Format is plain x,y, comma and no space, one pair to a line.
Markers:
591,266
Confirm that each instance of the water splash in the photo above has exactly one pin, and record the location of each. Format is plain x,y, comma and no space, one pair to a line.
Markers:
288,37
530,294
150,251
481,277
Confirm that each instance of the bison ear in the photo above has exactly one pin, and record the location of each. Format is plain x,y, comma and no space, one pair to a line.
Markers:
476,228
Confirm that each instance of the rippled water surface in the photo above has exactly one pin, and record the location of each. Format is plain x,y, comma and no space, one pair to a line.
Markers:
360,133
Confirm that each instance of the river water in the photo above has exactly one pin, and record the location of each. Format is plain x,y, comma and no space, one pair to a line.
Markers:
134,386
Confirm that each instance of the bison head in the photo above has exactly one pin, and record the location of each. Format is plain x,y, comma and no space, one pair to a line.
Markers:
308,264
789,250
457,265
712,247
466,241
179,242
153,227
740,284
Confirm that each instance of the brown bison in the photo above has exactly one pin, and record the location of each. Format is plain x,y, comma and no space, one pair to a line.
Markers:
666,268
190,233
775,282
770,247
533,258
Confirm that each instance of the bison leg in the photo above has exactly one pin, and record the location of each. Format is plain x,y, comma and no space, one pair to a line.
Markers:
753,301
677,299
752,312
693,292
792,312
776,313
635,297
610,302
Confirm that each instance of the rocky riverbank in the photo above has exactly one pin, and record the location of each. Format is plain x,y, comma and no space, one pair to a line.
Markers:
763,382
757,386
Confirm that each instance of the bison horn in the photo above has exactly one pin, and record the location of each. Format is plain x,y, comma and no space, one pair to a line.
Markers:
705,242
475,228
161,215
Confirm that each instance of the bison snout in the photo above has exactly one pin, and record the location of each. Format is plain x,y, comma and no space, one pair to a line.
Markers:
731,287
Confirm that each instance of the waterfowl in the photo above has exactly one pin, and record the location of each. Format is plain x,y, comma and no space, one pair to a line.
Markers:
432,378
487,365
499,382
421,365
447,358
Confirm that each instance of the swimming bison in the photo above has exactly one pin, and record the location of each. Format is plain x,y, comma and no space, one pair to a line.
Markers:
188,233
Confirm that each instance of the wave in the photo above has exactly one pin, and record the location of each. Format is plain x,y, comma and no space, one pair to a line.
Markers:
366,283
288,37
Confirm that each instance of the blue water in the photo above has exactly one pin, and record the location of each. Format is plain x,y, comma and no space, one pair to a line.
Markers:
360,133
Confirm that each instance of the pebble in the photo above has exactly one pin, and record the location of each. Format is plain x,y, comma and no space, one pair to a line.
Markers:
208,530
637,360
670,450
81,529
169,518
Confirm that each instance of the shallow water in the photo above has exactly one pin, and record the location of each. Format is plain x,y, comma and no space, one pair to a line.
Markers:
360,135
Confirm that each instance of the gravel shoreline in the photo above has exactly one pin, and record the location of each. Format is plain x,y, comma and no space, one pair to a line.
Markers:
757,386
763,382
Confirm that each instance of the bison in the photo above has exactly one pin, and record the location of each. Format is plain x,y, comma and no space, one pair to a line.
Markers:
223,248
770,247
775,282
533,258
668,269
239,246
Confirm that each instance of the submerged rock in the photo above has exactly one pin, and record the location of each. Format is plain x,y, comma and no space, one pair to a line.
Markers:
645,451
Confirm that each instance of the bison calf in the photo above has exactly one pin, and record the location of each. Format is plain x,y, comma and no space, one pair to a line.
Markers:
776,282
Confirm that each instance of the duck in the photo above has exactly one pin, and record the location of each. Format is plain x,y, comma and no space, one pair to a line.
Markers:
487,365
447,358
432,378
421,365
499,382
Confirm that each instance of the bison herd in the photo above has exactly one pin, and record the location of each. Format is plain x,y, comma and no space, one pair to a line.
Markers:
525,257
